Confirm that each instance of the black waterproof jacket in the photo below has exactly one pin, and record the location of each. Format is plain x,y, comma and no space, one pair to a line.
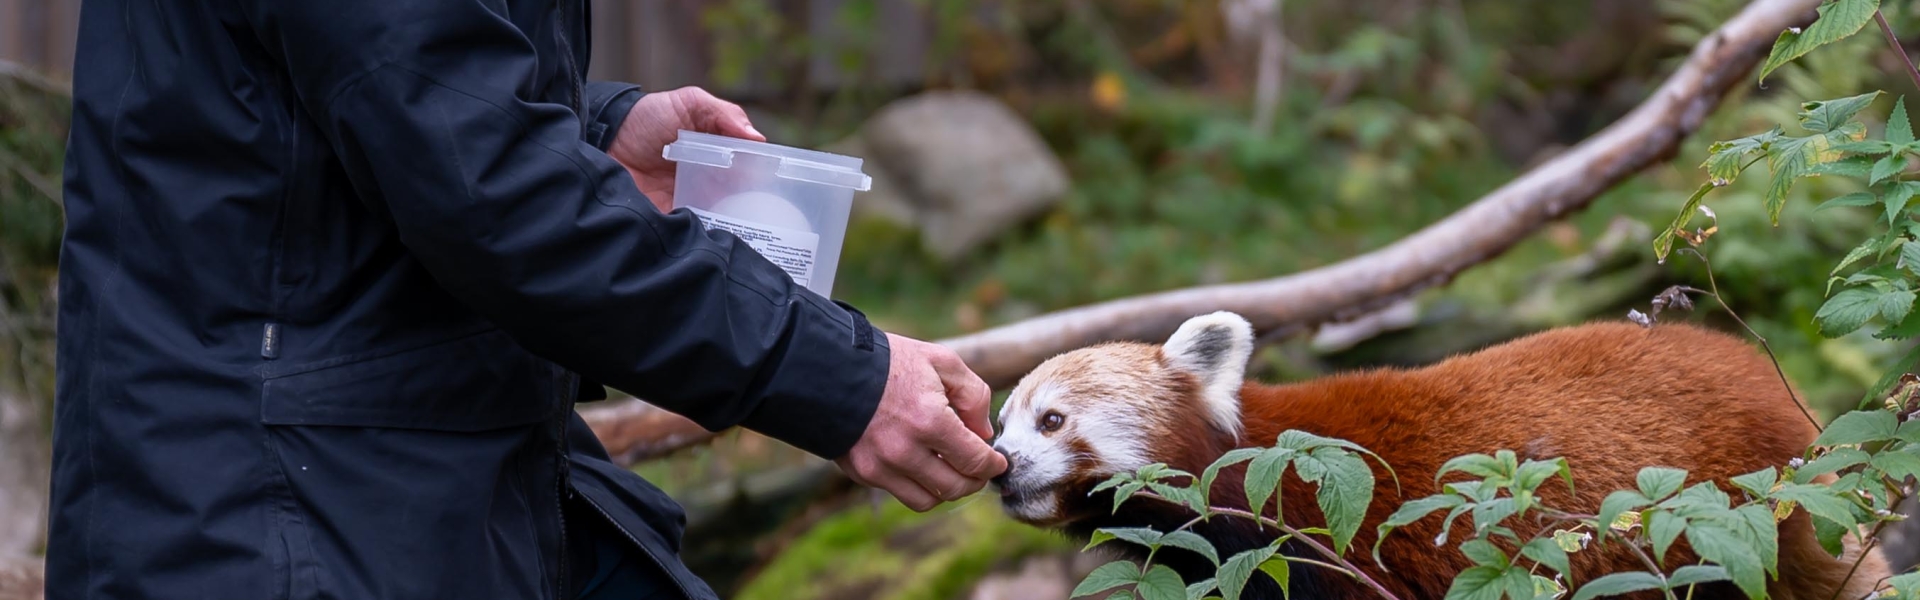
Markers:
333,275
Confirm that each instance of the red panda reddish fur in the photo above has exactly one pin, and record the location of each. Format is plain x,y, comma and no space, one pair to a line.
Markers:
1610,398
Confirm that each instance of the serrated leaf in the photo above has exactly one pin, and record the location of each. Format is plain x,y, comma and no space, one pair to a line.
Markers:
1852,167
1184,496
1446,525
1831,535
1659,482
1477,583
1108,576
1758,482
1413,510
1820,501
1858,427
1615,504
1535,472
1846,312
1143,536
1895,305
1899,130
1864,147
1865,249
1480,465
1547,552
1191,541
1492,512
1764,533
1280,572
1789,160
1907,584
1126,491
1717,544
1696,574
1112,482
1484,553
1346,488
1099,536
1232,457
1199,590
1618,584
1237,570
1834,460
1519,584
1161,583
1724,159
1853,199
1263,478
1899,194
1892,164
1910,257
1663,527
1900,464
1663,245
1822,116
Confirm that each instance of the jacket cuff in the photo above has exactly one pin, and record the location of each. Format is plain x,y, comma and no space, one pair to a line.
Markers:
829,384
608,103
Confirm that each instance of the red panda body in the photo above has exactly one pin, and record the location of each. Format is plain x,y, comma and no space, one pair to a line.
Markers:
1609,398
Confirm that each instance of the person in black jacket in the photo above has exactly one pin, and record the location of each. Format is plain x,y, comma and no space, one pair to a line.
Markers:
335,274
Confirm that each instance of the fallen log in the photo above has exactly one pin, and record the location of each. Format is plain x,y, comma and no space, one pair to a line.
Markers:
1649,135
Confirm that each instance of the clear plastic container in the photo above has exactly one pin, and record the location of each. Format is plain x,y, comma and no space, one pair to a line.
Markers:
789,204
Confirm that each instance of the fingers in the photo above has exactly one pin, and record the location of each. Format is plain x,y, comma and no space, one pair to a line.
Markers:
713,115
936,476
963,453
966,392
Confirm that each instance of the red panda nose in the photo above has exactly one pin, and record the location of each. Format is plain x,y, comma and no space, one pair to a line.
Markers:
1001,479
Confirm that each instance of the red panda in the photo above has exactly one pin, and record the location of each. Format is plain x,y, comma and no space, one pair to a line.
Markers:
1610,398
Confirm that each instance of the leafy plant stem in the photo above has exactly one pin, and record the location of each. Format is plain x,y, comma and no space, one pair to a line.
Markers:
1771,357
1634,545
1338,561
1872,539
1894,41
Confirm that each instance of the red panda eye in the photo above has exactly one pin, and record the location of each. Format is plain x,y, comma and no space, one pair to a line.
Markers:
1052,421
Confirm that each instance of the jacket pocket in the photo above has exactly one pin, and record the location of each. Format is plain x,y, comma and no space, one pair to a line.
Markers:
478,382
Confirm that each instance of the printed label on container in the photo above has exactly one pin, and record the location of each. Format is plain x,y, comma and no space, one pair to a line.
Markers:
791,249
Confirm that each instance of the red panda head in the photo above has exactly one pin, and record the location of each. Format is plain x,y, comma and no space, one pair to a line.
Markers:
1083,416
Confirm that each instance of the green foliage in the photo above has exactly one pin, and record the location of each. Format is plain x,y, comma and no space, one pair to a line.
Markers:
1838,19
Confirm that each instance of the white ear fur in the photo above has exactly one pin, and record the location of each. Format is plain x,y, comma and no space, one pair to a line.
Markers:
1215,348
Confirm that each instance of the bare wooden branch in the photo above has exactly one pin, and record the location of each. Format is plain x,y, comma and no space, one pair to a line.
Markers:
1652,133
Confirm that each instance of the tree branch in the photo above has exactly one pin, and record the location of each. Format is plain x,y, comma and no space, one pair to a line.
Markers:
1649,135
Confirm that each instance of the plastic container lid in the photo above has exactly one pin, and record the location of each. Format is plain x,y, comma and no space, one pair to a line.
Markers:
798,164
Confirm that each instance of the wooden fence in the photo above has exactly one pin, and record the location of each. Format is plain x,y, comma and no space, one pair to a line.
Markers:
657,43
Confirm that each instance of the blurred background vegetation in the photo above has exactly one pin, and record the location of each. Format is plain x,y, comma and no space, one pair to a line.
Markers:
1389,115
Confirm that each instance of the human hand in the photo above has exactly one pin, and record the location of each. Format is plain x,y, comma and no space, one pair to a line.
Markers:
927,442
656,120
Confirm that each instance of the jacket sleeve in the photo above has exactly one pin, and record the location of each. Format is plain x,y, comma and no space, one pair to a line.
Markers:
607,104
427,105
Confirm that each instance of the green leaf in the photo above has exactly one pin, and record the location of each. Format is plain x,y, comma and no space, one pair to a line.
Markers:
1199,590
1185,496
1126,491
1717,544
1346,488
1892,164
1865,249
1616,503
1411,511
1693,574
1099,536
1477,583
1831,535
1232,457
1191,541
1446,525
1900,464
1279,571
1846,312
1758,483
1664,527
1535,472
1492,512
1908,585
1144,536
1724,159
1764,535
1837,20
1853,199
1545,551
1899,194
1480,465
1837,459
1263,478
1899,130
1859,427
1895,305
1659,482
1112,482
1234,574
1822,116
1789,158
1663,245
1161,583
1519,584
1852,167
1484,553
1108,576
1819,500
1618,584
1864,147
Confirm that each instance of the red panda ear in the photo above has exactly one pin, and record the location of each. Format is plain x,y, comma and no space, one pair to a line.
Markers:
1214,348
